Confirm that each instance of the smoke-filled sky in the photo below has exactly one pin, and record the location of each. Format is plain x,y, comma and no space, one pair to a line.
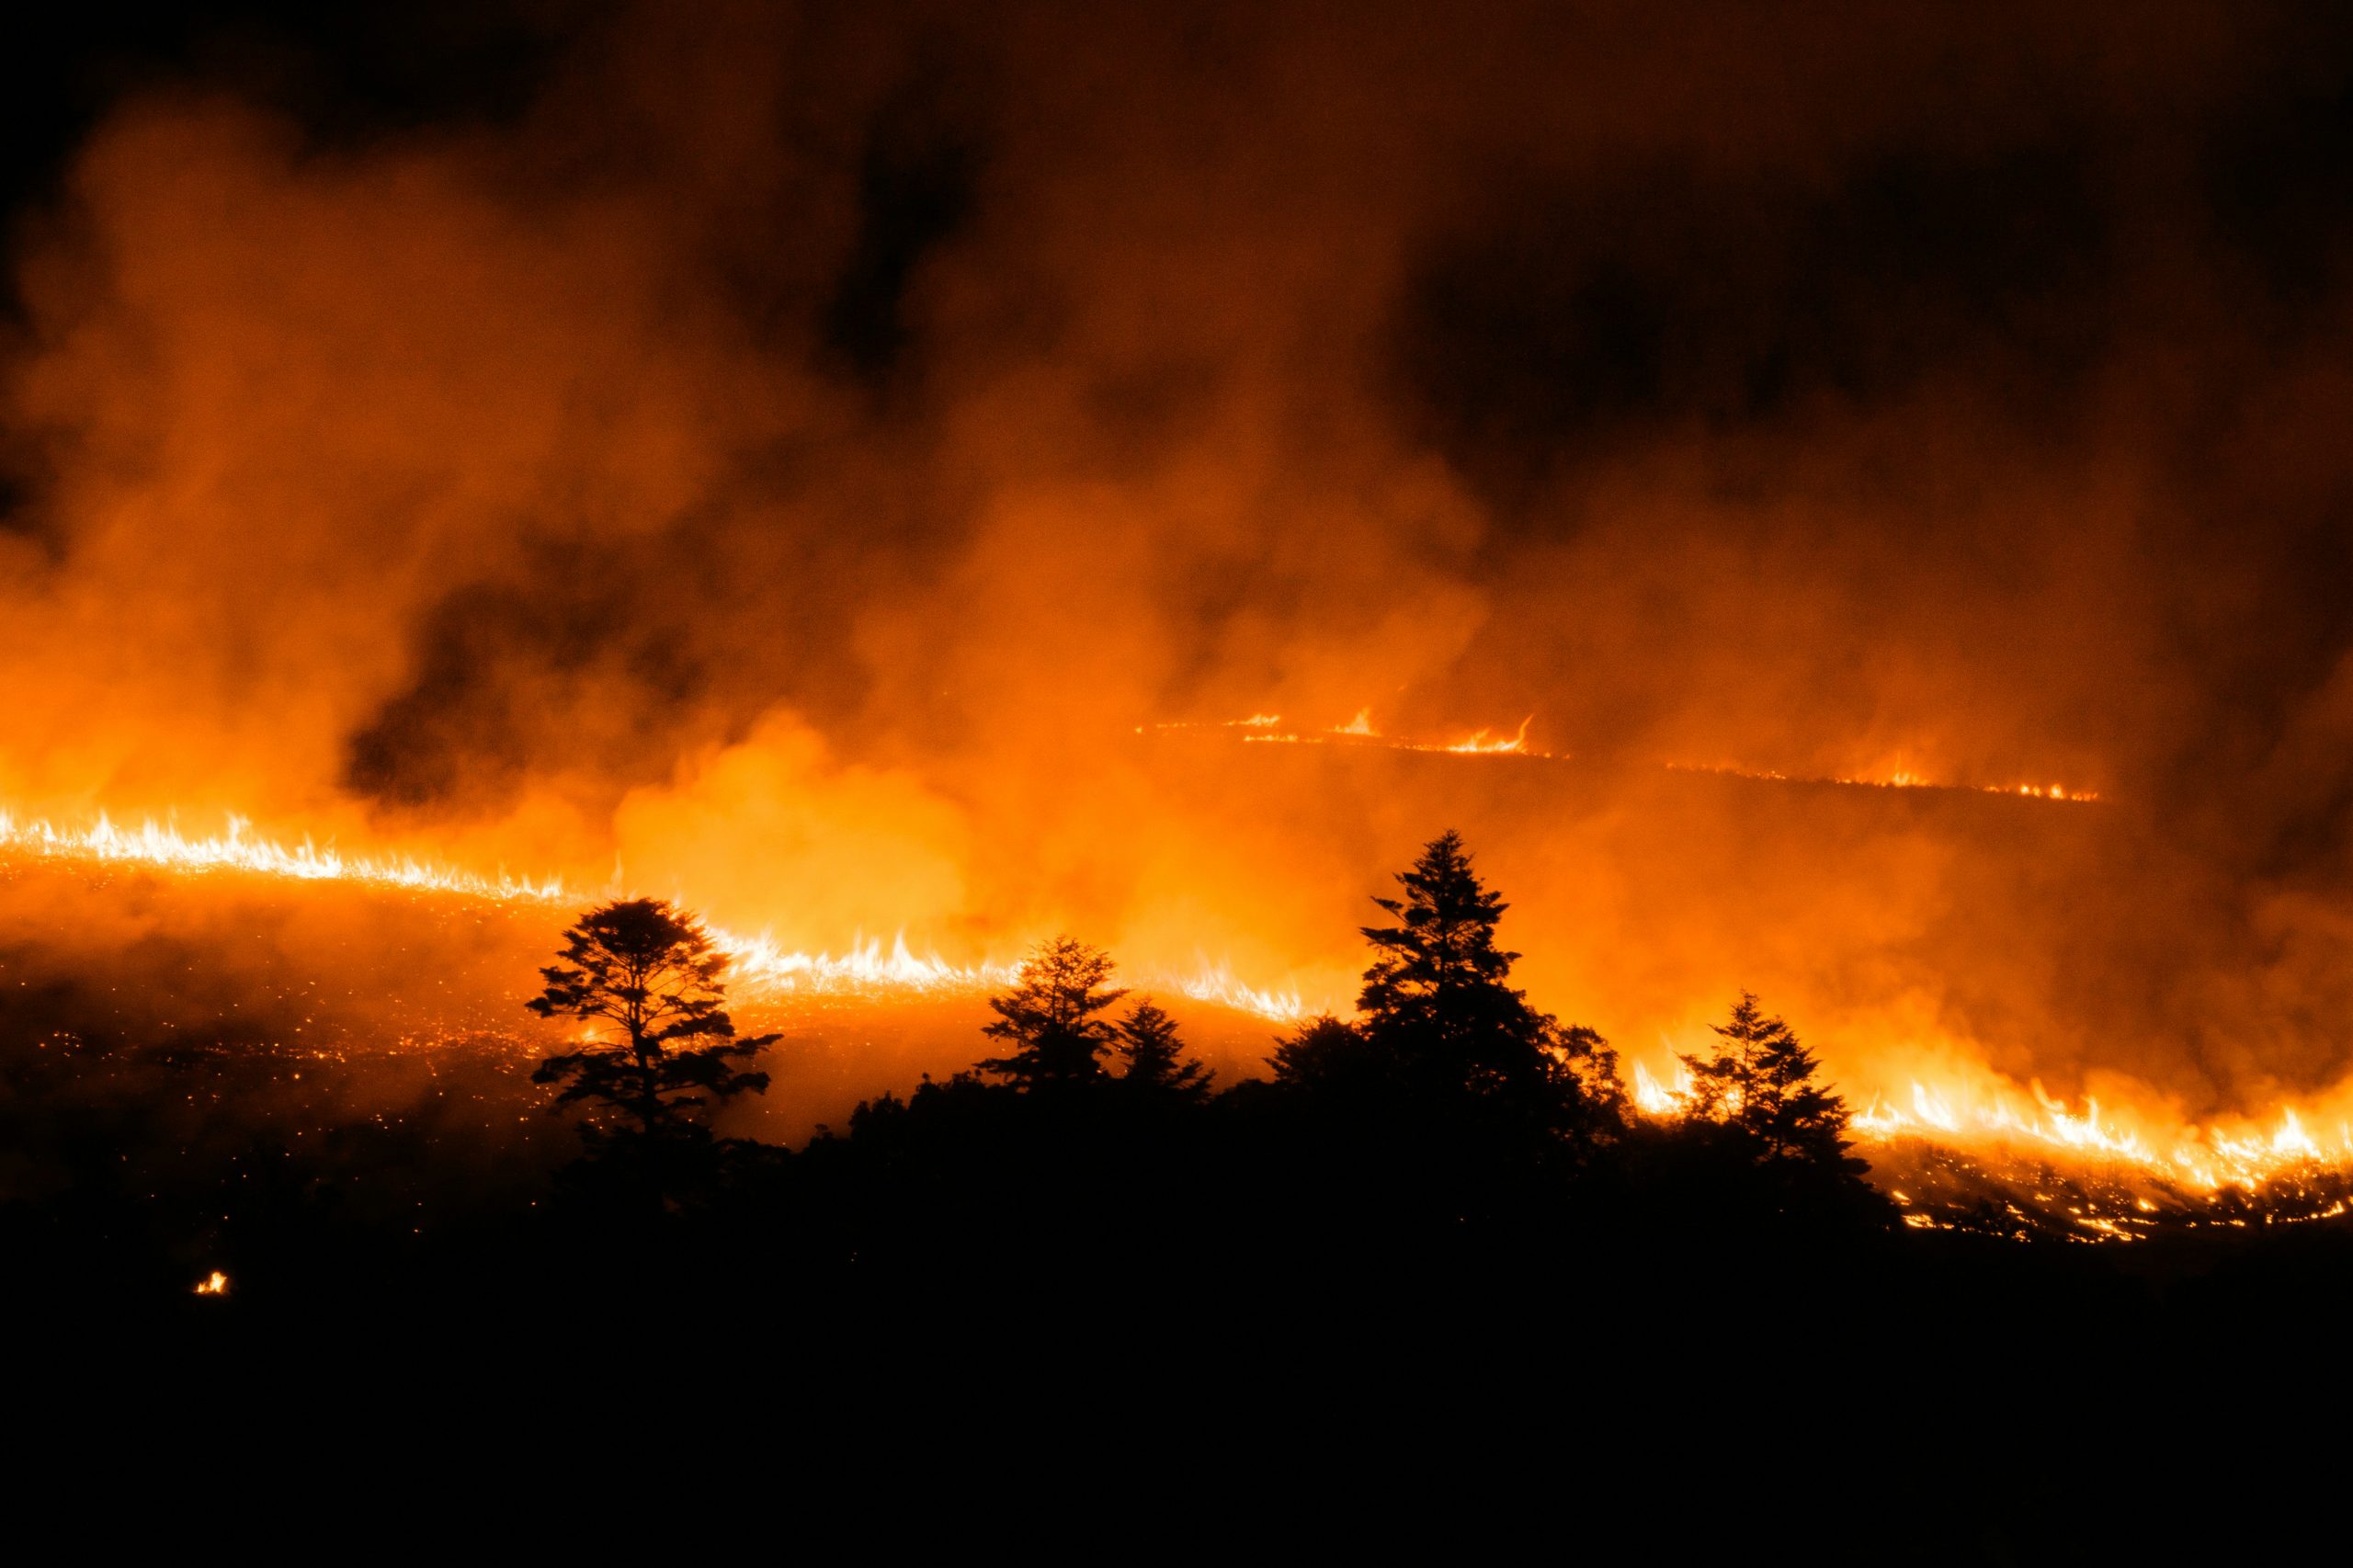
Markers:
787,451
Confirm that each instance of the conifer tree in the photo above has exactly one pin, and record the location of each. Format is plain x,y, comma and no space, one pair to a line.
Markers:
1759,1080
651,972
1050,1018
1154,1058
1437,992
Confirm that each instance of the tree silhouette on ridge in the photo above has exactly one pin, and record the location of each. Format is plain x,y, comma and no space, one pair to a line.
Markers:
1153,1056
651,972
1759,1081
1050,1017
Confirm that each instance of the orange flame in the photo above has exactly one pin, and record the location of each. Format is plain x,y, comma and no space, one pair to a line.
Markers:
756,965
1479,745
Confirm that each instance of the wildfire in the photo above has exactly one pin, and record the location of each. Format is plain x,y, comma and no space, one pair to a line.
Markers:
213,1284
1215,983
757,966
1993,1122
1358,731
1655,1098
1989,1119
1480,746
1902,779
1899,779
162,844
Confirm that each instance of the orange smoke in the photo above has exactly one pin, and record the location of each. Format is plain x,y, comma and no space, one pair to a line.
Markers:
619,494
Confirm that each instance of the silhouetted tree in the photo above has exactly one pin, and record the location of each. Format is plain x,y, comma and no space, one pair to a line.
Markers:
1760,1082
1152,1057
1050,1017
650,972
1329,1055
1438,993
1588,1065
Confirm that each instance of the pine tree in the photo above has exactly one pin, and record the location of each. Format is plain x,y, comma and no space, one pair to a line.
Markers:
1050,1017
650,971
1759,1080
1152,1057
1438,993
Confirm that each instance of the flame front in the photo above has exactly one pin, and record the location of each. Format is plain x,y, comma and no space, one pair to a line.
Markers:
757,966
162,844
1982,1114
1992,1120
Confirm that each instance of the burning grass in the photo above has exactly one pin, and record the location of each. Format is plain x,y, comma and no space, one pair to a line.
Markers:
1961,1147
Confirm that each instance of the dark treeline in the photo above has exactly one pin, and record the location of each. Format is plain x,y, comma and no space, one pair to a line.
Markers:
1449,1123
1431,1256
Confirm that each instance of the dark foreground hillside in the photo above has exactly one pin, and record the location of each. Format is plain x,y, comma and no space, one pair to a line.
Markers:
1081,1296
1428,1288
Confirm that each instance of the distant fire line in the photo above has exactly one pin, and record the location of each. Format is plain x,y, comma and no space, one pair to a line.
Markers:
1898,780
1262,727
1265,728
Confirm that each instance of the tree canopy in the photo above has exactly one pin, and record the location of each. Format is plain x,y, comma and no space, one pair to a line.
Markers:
1152,1057
1759,1081
1438,993
1051,1017
649,973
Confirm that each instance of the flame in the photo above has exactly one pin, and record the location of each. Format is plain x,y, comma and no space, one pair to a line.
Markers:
1215,983
1360,729
1896,779
213,1284
2288,1162
1979,1113
1655,1098
2201,1158
1479,745
757,966
162,844
1484,743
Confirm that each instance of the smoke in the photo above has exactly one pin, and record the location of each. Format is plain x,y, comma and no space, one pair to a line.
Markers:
791,453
